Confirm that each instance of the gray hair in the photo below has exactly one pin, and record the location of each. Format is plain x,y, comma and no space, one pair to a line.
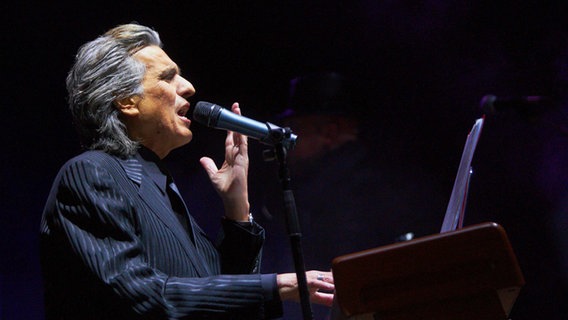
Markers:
105,72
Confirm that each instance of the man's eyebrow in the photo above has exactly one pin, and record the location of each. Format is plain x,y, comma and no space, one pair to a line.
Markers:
170,72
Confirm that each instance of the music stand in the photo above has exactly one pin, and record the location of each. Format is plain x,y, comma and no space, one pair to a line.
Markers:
471,273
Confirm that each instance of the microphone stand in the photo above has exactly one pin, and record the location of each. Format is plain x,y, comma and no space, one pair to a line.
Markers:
279,138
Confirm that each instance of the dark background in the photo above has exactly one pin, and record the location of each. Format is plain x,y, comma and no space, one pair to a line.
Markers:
423,65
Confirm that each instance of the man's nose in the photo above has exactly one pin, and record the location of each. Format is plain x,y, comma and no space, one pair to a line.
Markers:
185,88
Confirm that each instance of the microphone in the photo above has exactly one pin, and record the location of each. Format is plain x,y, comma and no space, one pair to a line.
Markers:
529,105
214,116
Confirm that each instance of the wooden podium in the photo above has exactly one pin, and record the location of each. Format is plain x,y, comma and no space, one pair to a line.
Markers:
470,273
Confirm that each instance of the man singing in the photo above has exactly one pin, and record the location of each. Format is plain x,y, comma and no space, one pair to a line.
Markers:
117,241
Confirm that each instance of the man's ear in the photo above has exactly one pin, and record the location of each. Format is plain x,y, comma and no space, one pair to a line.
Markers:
128,106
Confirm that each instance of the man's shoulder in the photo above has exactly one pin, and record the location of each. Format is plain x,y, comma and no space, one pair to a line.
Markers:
94,156
91,160
96,166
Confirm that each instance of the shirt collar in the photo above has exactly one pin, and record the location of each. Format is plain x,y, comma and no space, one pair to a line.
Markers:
154,166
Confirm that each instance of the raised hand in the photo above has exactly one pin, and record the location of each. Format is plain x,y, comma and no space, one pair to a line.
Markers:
230,181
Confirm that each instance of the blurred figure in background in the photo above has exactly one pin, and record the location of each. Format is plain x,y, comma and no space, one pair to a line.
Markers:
346,197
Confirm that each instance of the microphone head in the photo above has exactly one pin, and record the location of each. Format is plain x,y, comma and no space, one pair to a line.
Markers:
207,113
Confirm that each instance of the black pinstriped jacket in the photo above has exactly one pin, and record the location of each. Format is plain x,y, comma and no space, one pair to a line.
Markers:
111,248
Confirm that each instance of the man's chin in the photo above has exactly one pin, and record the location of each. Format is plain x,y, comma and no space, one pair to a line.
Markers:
187,139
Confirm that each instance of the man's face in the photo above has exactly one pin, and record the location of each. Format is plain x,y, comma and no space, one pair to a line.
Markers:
160,123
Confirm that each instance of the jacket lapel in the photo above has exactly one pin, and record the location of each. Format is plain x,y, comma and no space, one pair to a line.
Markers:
149,194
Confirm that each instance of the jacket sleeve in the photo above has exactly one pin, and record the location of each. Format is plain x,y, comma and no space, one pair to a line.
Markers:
240,247
96,219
